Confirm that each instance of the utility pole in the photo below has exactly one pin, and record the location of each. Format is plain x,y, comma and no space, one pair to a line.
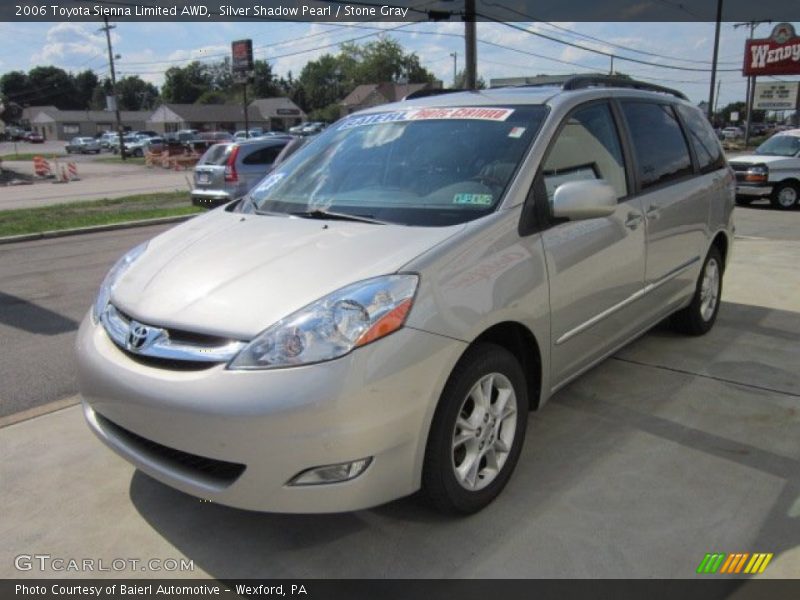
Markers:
246,120
611,70
714,63
455,68
470,46
751,81
107,28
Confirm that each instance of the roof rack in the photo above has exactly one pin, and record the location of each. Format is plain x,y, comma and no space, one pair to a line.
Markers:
578,82
584,81
432,92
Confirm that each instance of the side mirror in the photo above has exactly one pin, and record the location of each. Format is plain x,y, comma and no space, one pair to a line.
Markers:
576,200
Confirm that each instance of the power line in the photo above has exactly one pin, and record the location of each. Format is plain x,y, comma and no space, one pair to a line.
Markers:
602,52
578,34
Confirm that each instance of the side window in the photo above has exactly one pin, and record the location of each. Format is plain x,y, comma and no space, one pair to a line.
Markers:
587,147
264,156
661,150
704,141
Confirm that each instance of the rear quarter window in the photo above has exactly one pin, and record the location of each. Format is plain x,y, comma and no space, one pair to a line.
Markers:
704,141
658,142
263,156
216,155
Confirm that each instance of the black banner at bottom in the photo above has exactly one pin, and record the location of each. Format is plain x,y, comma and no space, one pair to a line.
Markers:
405,589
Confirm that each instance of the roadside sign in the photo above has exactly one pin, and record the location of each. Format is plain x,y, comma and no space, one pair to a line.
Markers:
776,96
779,54
734,116
242,56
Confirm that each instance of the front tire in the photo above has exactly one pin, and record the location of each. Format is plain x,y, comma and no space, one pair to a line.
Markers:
785,196
698,318
477,432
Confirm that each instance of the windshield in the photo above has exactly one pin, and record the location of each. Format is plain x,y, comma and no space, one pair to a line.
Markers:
780,145
419,166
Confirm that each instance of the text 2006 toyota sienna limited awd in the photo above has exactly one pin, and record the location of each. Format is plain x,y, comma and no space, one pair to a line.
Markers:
379,315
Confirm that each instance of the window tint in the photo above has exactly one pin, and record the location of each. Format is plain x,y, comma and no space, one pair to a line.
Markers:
587,147
264,156
658,141
704,140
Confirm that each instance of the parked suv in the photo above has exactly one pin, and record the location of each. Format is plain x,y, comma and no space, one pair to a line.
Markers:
772,171
227,171
379,314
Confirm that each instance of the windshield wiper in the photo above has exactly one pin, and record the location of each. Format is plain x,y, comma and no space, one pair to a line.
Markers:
328,215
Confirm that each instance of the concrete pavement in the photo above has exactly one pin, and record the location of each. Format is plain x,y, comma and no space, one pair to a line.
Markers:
673,448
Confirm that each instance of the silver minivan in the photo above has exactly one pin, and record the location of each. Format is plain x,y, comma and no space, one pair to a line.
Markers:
381,312
228,171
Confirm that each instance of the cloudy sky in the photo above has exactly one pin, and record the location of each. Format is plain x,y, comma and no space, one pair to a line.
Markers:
147,49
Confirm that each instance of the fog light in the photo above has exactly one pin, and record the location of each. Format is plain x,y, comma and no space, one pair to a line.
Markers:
331,473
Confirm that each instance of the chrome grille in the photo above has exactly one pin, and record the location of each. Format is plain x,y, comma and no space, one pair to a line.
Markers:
144,340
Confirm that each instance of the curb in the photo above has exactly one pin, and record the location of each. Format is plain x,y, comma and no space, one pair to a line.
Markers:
43,235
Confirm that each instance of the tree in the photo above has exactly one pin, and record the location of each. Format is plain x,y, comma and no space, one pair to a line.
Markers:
15,87
382,60
184,85
264,84
461,78
325,81
85,84
51,85
757,116
133,93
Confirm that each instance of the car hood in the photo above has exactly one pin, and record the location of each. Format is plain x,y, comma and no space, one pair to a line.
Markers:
233,275
773,161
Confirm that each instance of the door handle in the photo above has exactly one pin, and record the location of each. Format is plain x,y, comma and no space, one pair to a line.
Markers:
653,212
633,220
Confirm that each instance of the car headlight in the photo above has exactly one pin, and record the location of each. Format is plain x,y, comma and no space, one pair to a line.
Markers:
757,174
334,325
119,268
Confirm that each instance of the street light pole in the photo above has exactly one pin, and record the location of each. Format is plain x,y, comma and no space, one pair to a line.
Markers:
455,68
107,28
714,63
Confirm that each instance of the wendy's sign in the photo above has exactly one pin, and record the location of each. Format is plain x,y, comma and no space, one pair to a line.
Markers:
779,54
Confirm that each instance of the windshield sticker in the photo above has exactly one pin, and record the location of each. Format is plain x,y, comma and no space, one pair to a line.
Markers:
270,181
516,132
473,199
481,113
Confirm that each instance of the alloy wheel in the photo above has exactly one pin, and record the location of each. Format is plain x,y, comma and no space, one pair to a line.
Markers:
484,431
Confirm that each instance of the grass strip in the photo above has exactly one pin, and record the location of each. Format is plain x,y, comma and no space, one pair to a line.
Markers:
95,212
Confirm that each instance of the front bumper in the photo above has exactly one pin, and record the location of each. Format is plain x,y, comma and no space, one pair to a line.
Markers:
375,402
757,191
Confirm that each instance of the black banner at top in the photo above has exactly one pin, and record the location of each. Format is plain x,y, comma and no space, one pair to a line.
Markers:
399,10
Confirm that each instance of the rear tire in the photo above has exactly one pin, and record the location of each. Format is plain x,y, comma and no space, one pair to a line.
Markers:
785,195
698,318
477,432
744,200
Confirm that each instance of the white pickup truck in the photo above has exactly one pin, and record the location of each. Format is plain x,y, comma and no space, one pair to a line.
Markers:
772,171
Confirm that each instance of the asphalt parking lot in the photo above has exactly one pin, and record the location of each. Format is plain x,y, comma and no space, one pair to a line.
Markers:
673,448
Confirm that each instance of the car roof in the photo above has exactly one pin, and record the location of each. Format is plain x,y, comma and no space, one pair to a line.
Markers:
791,132
552,94
266,141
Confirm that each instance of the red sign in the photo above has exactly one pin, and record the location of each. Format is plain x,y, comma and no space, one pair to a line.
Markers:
779,54
242,56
